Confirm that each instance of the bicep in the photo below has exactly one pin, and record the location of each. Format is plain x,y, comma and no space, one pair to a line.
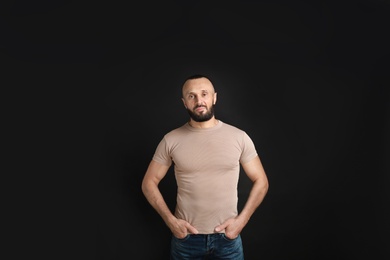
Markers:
254,170
155,172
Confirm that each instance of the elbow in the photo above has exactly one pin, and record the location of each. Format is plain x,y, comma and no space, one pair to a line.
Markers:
149,185
265,186
144,187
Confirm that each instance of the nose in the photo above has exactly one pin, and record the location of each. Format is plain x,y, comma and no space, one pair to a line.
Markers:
198,101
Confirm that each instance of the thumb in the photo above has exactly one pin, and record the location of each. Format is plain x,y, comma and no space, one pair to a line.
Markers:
222,226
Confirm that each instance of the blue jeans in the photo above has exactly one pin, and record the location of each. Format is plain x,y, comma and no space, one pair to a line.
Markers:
209,246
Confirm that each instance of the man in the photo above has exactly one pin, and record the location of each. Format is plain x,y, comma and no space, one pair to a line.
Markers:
206,154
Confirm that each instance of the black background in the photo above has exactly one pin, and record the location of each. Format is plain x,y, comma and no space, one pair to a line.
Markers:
95,86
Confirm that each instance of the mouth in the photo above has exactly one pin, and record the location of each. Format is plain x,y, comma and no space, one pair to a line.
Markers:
199,109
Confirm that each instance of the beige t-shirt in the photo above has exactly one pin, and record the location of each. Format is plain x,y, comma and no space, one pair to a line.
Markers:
207,165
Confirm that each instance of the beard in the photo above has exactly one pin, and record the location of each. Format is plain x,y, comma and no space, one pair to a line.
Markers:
201,117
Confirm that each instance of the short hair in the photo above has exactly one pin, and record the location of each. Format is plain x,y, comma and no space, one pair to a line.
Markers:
198,76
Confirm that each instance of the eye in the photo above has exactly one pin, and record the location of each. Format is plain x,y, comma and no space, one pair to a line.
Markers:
191,96
204,94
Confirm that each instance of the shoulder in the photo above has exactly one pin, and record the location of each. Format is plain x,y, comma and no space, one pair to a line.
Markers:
233,129
235,132
176,132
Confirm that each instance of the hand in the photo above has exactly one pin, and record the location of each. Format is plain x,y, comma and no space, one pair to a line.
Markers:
181,228
233,227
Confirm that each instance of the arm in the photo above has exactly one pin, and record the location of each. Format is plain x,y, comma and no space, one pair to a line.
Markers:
255,171
154,174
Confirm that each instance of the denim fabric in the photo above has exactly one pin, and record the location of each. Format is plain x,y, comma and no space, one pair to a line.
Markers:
206,246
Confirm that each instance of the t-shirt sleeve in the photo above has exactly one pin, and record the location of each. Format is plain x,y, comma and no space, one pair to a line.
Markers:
248,149
162,155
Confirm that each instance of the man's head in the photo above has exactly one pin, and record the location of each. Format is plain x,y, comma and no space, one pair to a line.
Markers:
199,97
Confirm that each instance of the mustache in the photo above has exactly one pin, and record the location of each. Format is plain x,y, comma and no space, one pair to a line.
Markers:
200,106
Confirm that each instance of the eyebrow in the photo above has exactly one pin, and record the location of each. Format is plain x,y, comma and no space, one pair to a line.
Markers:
191,92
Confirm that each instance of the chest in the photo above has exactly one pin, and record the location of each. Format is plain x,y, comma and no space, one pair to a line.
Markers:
205,153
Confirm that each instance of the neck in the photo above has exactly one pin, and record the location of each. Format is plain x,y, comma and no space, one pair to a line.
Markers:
206,124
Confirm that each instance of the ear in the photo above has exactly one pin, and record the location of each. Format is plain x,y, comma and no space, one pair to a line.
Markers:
215,98
184,103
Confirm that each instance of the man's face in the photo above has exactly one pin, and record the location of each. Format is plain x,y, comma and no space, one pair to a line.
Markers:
199,98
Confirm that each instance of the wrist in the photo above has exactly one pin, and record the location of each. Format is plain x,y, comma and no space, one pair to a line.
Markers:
170,220
244,218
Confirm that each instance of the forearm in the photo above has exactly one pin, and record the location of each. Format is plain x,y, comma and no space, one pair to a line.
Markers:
256,196
156,200
235,225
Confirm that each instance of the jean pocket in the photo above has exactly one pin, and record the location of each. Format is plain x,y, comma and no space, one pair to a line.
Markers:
229,239
181,239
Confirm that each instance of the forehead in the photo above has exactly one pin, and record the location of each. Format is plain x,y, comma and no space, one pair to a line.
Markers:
197,85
